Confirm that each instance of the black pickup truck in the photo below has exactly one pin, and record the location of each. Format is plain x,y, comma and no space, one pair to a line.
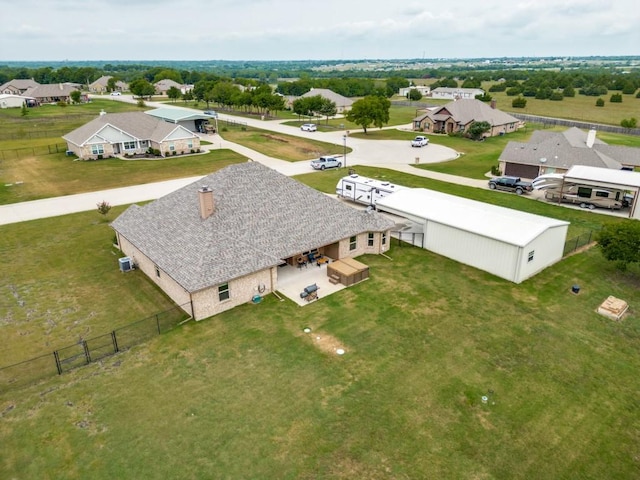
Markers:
510,184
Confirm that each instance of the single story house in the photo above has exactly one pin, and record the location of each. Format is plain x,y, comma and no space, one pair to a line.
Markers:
9,100
101,84
556,152
219,242
450,93
163,86
342,103
423,89
457,116
189,119
508,243
18,86
130,133
53,93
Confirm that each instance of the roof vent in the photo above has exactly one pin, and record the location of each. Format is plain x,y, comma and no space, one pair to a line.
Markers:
102,112
591,138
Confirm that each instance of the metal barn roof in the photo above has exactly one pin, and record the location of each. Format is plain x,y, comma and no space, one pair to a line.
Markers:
622,178
503,224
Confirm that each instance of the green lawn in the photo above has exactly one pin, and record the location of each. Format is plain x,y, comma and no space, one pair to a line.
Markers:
247,394
55,175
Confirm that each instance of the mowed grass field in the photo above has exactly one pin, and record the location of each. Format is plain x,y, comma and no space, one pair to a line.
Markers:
247,394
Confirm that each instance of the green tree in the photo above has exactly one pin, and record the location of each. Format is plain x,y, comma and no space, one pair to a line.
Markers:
519,102
629,123
414,95
142,88
174,93
370,110
103,207
394,84
25,111
477,130
568,91
111,84
620,243
616,98
327,109
485,97
75,96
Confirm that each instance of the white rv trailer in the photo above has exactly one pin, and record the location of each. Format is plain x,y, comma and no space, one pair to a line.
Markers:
365,190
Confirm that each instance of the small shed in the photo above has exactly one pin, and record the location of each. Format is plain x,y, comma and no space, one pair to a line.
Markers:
508,243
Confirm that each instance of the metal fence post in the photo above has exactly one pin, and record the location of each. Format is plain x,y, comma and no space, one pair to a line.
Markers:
57,359
158,324
115,341
87,355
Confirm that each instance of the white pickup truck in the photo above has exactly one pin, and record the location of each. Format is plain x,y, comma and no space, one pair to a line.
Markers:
420,141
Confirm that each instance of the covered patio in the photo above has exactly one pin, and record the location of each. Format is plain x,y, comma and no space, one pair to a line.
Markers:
292,280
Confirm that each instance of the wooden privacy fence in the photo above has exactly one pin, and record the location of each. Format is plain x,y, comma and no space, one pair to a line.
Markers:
90,350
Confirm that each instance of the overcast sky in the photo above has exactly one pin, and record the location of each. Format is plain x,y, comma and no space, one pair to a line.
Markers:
315,29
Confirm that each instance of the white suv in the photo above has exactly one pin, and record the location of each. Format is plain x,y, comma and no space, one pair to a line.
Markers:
309,127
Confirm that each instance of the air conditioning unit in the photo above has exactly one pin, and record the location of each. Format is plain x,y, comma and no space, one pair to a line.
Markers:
126,264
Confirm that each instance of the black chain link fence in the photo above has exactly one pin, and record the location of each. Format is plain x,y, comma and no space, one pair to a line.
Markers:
90,350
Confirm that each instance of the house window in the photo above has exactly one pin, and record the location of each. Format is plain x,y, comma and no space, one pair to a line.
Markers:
172,147
531,255
97,149
384,238
370,240
157,272
223,292
129,145
353,243
190,144
348,187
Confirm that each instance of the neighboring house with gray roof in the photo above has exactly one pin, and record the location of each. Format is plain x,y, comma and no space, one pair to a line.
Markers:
342,103
215,244
556,152
18,86
163,86
53,93
129,133
101,85
458,116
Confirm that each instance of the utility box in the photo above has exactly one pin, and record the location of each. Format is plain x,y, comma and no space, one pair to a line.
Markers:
126,264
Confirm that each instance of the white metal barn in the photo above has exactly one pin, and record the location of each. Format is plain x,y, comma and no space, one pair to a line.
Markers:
507,243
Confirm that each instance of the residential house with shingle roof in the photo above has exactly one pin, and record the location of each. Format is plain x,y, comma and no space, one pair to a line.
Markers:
451,93
163,86
458,116
101,85
215,244
342,103
129,133
18,86
52,93
556,152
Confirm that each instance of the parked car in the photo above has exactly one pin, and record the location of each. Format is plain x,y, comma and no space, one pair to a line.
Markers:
114,94
510,184
309,127
420,141
326,162
211,113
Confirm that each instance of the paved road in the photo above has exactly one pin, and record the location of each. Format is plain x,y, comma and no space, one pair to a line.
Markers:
392,154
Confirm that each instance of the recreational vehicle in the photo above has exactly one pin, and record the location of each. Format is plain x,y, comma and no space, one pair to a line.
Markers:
556,189
364,190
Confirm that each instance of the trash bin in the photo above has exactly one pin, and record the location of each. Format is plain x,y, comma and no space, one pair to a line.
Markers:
575,289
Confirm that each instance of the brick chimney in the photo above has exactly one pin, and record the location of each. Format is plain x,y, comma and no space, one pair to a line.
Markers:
205,202
493,103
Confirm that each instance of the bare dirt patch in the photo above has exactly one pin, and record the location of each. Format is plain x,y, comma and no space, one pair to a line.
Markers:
327,343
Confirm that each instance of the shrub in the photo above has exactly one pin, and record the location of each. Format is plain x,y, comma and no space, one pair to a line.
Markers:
100,157
495,170
192,150
62,103
600,103
556,96
629,123
519,102
513,91
224,129
616,98
174,153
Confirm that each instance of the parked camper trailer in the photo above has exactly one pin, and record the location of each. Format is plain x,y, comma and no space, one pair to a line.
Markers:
364,190
587,196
